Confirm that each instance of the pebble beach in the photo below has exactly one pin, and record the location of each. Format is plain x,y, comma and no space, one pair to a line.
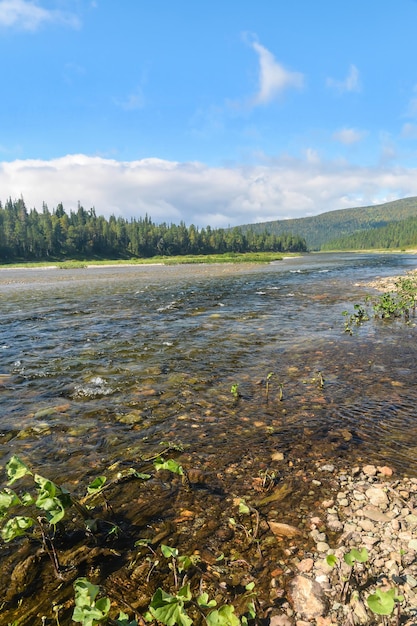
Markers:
370,509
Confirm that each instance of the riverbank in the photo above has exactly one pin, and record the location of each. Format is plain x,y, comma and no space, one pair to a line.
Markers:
370,509
389,283
235,257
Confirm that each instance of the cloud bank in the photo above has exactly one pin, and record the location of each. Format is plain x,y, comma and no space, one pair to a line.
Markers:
170,191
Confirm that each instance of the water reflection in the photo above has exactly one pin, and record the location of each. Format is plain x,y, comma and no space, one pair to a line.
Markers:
98,365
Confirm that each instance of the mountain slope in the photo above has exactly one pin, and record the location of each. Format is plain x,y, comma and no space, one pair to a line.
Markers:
320,229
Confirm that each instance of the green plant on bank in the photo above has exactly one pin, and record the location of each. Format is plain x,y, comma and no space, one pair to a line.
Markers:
38,509
179,606
89,611
172,609
400,303
381,602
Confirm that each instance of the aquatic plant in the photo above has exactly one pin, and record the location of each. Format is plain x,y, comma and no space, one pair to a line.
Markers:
356,318
234,390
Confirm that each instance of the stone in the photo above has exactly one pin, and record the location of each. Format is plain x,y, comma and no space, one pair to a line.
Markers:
277,456
373,514
280,620
385,470
326,504
306,565
284,530
327,468
377,496
369,470
307,597
366,524
322,546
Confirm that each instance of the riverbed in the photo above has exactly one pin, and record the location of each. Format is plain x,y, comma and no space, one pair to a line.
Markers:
244,372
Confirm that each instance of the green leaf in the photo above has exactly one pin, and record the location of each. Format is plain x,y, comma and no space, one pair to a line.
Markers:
170,465
16,527
142,542
252,609
185,593
87,611
132,472
96,485
225,616
243,508
16,469
52,499
123,620
331,560
86,590
356,555
8,498
204,601
169,552
185,561
383,602
27,499
169,609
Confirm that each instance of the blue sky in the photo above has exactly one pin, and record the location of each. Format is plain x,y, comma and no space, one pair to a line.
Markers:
223,112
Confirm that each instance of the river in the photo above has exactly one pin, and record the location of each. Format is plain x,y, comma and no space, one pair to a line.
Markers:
95,363
101,369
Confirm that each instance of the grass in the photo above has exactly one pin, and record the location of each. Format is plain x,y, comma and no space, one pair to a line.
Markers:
230,257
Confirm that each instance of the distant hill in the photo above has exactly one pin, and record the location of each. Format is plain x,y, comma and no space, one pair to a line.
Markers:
334,225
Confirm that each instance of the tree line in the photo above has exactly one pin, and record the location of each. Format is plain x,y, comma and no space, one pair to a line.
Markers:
395,235
41,235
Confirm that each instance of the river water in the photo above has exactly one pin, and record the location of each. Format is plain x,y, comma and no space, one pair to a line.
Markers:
107,364
102,369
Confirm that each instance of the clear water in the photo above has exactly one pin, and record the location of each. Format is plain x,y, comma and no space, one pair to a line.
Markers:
102,365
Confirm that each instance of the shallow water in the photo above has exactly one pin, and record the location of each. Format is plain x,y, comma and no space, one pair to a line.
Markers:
104,364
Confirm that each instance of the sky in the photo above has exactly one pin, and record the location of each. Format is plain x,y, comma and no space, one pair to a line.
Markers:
220,112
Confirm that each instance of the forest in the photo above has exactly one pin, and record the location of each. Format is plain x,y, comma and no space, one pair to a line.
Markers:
320,229
395,235
31,235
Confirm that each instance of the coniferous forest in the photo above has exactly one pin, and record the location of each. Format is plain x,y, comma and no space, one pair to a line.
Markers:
32,235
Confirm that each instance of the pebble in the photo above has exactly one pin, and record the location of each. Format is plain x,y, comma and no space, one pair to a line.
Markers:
369,510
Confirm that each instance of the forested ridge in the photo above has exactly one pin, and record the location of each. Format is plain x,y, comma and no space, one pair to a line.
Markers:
395,235
317,230
27,235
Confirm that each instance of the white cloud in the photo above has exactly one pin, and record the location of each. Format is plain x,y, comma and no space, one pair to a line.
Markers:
348,136
273,77
350,83
193,192
29,15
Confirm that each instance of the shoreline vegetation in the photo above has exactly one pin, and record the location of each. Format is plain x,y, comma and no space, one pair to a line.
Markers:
248,257
191,259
